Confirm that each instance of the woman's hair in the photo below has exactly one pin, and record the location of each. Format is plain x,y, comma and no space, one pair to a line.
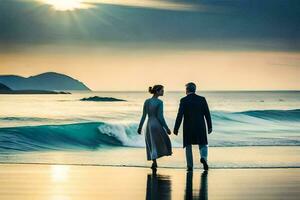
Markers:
155,89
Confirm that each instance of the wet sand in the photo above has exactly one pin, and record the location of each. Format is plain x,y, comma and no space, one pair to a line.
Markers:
219,157
65,182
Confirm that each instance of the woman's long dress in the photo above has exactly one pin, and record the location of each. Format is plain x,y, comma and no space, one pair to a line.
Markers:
158,143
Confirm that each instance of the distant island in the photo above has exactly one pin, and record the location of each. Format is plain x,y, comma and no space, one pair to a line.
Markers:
6,90
49,81
97,98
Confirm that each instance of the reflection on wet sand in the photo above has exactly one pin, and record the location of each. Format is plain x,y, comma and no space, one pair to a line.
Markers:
203,191
58,182
158,186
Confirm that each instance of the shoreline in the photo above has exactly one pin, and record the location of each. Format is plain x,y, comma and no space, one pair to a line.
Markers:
147,167
219,158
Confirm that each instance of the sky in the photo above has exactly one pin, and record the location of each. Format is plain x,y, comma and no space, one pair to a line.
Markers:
132,44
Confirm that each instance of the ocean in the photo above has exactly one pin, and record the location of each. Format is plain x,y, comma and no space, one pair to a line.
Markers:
32,125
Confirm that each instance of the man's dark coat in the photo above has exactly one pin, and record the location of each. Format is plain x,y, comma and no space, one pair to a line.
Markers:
195,111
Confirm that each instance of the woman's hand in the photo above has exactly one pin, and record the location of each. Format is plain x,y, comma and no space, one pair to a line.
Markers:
169,131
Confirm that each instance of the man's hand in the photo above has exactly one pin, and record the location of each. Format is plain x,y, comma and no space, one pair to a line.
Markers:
169,131
139,131
209,130
175,132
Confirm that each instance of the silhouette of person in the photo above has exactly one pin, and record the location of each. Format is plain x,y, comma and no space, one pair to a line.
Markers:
194,112
158,187
158,143
203,191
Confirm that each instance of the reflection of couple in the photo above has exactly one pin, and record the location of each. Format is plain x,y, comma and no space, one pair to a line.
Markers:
159,187
203,190
195,113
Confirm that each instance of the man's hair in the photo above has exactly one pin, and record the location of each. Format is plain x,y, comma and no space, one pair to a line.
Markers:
191,87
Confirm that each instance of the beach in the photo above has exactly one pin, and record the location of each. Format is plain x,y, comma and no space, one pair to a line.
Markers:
95,92
63,182
219,157
124,173
61,148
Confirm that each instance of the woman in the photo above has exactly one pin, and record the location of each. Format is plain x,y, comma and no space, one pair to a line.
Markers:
158,143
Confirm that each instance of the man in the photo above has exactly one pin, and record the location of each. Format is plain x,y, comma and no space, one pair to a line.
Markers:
195,111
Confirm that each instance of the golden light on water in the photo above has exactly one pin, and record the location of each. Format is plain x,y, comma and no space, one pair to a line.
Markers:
59,173
67,5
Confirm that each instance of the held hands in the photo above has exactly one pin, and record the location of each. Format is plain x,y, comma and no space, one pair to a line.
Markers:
169,131
175,132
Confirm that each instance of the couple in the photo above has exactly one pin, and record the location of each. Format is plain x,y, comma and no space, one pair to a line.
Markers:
197,120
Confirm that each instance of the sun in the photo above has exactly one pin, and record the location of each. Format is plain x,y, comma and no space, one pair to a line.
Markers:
65,5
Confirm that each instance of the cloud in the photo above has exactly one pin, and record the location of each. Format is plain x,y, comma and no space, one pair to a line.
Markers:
152,4
255,24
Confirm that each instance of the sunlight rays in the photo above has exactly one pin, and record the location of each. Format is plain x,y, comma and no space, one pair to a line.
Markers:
67,5
70,5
